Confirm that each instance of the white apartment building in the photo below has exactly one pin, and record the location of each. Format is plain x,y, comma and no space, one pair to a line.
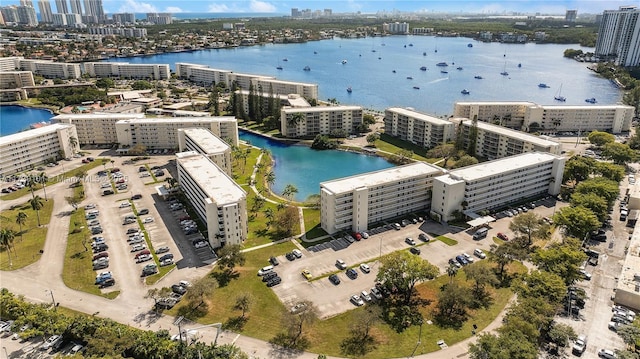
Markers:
95,128
291,100
161,133
320,120
201,140
627,291
549,119
243,81
16,79
50,69
280,87
495,184
352,203
9,63
220,203
418,128
128,71
24,150
619,36
201,74
493,141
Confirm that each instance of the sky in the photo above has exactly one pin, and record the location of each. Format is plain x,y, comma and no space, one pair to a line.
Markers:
283,7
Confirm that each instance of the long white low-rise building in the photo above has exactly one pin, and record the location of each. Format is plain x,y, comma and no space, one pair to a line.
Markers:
126,70
219,202
493,141
495,184
44,68
281,87
352,203
319,120
16,79
201,140
23,151
416,127
95,128
161,133
531,117
290,100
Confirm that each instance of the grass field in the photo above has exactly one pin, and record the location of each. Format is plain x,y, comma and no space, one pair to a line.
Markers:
78,270
27,247
394,145
446,240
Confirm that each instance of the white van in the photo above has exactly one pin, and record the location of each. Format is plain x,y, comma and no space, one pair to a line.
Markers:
481,233
265,270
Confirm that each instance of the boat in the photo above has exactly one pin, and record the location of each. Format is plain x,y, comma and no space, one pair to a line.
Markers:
424,54
394,71
344,62
416,87
465,92
285,59
558,96
410,44
543,86
423,68
591,100
315,52
459,68
469,45
519,65
443,64
409,78
373,50
349,90
279,67
444,72
504,70
307,68
478,77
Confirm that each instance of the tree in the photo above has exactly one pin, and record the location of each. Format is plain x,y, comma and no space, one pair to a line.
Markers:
42,179
157,293
286,221
603,187
402,157
290,191
610,171
105,83
505,346
593,202
270,178
230,256
578,169
452,271
453,301
6,241
142,85
445,150
21,219
542,284
465,160
619,153
294,325
368,119
199,291
214,101
561,334
243,303
403,271
482,274
372,138
577,221
360,342
563,259
37,204
269,214
529,225
630,334
600,139
73,142
73,201
505,254
294,120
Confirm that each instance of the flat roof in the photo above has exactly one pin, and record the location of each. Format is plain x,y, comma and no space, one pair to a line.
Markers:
20,136
418,115
369,179
211,179
485,103
322,109
584,107
178,119
523,136
209,142
121,116
274,80
629,278
502,165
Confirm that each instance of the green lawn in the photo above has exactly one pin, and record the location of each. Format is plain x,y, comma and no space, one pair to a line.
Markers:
446,240
257,232
28,247
312,223
78,270
393,145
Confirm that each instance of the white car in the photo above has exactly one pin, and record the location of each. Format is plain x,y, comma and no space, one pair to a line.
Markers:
586,275
364,295
607,354
135,240
51,342
355,299
125,204
479,253
468,257
138,247
90,206
364,267
162,250
148,220
201,244
144,258
297,253
105,185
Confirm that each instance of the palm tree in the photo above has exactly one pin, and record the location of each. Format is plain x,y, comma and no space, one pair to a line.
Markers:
289,191
270,178
268,213
295,119
73,142
21,219
42,178
6,241
452,271
31,183
37,204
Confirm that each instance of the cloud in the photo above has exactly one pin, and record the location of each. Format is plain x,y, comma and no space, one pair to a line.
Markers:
218,8
353,5
135,6
261,6
172,9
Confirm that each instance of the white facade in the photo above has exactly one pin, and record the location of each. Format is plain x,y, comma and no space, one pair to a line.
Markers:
529,116
619,36
95,129
320,120
495,184
291,100
352,203
46,15
9,63
201,74
627,291
127,70
24,150
50,69
418,128
218,200
280,87
16,79
493,141
161,133
201,140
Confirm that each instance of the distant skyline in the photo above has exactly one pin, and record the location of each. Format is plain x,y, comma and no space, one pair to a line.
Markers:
283,7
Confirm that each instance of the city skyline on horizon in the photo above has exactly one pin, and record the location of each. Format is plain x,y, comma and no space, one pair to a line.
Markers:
282,7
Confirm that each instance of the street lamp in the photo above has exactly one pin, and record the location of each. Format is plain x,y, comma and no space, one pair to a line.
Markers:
52,298
5,352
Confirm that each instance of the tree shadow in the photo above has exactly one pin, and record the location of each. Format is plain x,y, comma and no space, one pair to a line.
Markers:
283,346
190,312
224,277
450,321
235,324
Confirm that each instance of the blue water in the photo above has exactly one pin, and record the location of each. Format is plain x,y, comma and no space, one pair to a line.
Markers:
376,86
306,168
17,118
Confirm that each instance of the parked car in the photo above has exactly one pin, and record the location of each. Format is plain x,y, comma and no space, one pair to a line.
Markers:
107,283
297,253
149,269
355,299
341,264
415,250
306,274
125,204
503,237
269,276
162,250
143,212
144,258
166,262
148,220
290,256
49,343
364,267
375,292
410,241
136,196
351,273
580,345
138,247
365,295
274,261
177,288
479,253
334,279
607,354
274,281
423,237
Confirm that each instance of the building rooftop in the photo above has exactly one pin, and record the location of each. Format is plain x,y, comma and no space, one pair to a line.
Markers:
491,168
418,115
485,103
120,116
178,119
274,80
322,109
209,142
370,179
628,284
20,136
584,107
210,178
519,135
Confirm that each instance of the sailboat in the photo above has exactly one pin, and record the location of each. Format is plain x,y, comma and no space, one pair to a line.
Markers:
279,66
558,96
504,70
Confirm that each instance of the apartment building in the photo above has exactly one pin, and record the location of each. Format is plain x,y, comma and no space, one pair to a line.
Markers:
352,203
9,63
627,291
24,150
44,68
549,119
418,128
201,74
495,184
319,120
493,141
201,140
291,100
619,36
126,70
161,133
281,87
219,202
95,128
16,79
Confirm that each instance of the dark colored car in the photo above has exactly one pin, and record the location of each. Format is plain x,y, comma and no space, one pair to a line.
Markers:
136,196
142,169
423,237
101,255
143,211
290,256
166,256
334,279
269,276
415,250
100,248
274,281
599,237
107,192
351,273
107,283
274,261
178,289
